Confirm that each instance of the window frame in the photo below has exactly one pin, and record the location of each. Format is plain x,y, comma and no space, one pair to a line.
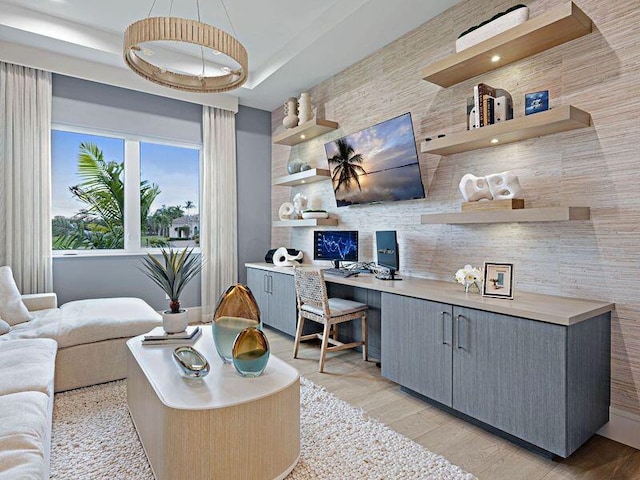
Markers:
132,228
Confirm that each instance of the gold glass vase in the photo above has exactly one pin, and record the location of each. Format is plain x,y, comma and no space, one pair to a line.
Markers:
250,352
236,310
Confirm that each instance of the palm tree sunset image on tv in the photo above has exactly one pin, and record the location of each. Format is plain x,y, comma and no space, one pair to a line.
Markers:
377,164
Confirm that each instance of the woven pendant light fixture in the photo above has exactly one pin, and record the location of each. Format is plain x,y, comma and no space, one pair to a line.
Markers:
174,29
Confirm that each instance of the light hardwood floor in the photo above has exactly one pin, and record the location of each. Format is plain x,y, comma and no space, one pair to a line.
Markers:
481,453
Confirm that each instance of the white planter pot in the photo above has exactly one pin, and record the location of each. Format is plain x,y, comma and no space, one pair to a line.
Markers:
175,322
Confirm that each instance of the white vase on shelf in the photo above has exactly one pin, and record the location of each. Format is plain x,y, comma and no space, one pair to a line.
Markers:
290,119
305,108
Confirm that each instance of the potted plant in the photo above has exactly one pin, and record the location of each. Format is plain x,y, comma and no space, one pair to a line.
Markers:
172,273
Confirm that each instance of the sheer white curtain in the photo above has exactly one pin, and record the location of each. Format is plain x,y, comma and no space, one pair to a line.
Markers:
218,206
25,176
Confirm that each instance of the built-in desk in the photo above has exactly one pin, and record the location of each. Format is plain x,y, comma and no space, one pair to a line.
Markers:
535,368
546,308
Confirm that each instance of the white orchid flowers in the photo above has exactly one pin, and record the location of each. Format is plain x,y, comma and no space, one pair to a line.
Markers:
469,276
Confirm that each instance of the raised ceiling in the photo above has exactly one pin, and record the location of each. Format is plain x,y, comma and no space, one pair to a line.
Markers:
292,44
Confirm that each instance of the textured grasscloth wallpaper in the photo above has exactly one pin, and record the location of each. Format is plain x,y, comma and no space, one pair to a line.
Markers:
596,167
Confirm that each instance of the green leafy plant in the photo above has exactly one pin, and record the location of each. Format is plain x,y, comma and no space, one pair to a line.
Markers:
172,272
101,223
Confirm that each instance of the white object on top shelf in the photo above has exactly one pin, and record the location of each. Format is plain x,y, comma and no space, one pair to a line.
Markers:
491,29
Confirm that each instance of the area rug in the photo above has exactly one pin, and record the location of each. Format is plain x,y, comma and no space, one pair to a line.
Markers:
94,438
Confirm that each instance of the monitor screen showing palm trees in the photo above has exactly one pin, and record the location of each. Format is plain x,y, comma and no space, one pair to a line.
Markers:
377,164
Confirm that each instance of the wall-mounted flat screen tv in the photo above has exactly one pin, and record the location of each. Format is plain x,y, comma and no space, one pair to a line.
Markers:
377,164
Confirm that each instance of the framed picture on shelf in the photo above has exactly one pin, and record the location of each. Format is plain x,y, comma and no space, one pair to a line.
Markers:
498,280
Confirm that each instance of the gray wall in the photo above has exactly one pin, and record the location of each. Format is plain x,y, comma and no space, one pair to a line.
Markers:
77,278
253,139
87,104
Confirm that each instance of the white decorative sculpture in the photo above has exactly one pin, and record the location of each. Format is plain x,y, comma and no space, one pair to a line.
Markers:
290,119
285,211
300,203
474,188
281,258
504,186
305,108
497,186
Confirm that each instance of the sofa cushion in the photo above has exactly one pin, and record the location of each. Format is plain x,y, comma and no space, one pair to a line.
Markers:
27,365
95,320
89,321
4,327
12,310
44,324
24,427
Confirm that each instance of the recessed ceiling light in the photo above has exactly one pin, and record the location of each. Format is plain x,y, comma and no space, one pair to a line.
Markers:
217,52
302,136
494,140
495,58
225,69
146,51
303,181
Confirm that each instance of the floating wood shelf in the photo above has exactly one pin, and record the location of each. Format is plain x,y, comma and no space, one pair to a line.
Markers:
310,222
312,129
308,176
559,119
546,214
554,27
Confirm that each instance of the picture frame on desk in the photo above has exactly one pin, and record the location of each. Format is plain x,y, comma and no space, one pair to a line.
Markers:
498,280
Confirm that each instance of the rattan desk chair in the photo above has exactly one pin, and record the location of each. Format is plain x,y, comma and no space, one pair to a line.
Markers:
313,304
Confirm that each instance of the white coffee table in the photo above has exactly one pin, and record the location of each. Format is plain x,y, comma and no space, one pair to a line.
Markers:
221,427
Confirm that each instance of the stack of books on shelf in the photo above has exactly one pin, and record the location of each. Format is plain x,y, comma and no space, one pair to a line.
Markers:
488,106
158,336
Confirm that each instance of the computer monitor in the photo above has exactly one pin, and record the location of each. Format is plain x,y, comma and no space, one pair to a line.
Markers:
335,245
387,250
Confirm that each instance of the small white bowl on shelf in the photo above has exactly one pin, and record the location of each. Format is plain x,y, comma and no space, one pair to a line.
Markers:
307,215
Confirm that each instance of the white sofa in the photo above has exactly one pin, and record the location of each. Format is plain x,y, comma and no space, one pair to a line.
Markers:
91,335
26,407
79,344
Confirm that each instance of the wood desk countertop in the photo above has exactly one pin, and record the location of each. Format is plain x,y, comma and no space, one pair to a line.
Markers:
545,308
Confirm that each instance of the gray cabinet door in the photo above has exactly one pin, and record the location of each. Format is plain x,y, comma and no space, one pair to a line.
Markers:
509,372
416,345
282,303
257,281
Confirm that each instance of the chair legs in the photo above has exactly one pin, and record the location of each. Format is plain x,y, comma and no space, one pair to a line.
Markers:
325,346
299,329
328,338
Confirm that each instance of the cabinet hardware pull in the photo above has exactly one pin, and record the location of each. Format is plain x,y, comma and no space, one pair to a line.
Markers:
265,281
442,314
458,317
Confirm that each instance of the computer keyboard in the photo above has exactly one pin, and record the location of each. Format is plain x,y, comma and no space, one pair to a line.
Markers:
339,272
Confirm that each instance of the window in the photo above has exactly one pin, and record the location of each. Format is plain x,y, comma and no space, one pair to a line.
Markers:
97,204
169,211
87,191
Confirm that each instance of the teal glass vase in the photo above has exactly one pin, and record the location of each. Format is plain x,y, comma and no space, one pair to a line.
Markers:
236,310
250,352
